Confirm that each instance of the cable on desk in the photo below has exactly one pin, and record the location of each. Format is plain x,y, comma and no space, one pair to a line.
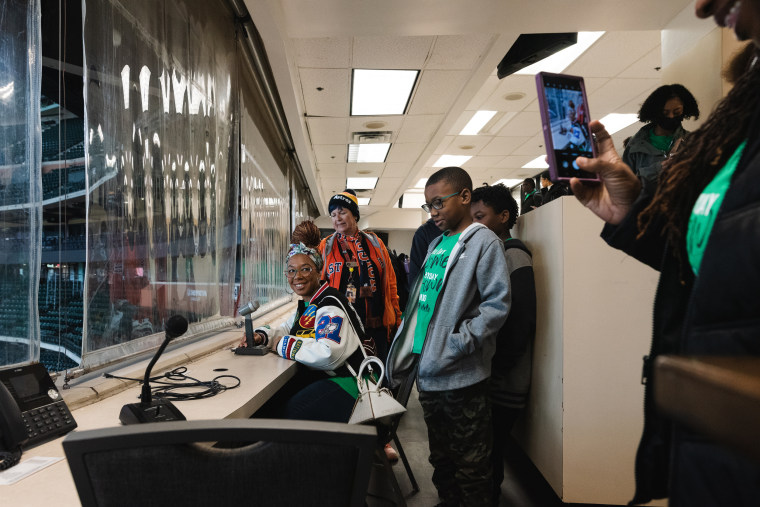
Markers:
176,379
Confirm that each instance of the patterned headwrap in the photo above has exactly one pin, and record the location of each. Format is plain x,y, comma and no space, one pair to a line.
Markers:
312,253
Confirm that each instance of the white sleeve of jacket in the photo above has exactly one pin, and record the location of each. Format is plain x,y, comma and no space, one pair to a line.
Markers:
334,342
279,331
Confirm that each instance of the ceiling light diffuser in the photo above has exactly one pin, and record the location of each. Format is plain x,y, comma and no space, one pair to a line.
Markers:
615,122
373,152
537,163
413,200
363,201
381,92
361,183
477,122
560,60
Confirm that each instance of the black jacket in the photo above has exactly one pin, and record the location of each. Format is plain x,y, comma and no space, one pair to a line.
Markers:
716,313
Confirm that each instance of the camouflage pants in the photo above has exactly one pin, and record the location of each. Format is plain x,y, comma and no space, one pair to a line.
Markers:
460,437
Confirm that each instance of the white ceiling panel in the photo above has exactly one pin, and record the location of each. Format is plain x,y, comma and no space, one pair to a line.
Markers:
365,169
444,145
418,129
533,146
516,162
405,153
330,153
437,90
489,87
648,66
511,86
482,163
526,123
502,145
610,97
327,130
396,170
386,190
467,145
332,186
605,58
459,51
391,123
391,52
323,53
332,100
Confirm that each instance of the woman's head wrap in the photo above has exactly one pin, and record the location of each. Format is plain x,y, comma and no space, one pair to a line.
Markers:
305,240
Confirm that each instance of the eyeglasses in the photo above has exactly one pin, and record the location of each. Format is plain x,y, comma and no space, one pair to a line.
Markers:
438,202
304,270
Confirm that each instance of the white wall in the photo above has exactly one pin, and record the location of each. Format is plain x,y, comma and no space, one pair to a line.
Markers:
401,241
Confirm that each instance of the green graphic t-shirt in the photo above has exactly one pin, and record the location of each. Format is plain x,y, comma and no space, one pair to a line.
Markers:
706,209
432,281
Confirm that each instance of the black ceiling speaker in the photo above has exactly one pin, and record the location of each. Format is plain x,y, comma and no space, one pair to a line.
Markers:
532,47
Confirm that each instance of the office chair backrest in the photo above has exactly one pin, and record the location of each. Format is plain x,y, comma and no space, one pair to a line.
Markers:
173,463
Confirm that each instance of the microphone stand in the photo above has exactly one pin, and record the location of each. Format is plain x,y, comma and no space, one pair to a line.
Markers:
158,410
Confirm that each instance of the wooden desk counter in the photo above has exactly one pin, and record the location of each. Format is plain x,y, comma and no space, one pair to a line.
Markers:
260,377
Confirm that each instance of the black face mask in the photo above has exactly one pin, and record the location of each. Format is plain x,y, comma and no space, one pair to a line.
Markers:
670,124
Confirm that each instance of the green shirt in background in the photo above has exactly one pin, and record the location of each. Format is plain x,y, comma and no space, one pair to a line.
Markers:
706,209
662,143
432,281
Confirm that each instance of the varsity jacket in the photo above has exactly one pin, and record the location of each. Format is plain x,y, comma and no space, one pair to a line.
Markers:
472,306
324,335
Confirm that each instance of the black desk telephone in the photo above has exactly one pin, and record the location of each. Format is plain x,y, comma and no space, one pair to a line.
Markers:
31,411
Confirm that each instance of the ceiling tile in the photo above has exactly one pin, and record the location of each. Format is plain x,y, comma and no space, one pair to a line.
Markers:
605,58
392,123
396,170
332,186
386,190
514,84
502,145
516,162
391,52
333,100
332,171
328,130
648,66
444,145
482,162
533,146
405,152
526,123
458,51
468,145
324,53
610,97
437,90
419,128
330,153
365,169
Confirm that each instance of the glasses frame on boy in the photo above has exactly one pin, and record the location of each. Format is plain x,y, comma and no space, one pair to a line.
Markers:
437,202
304,270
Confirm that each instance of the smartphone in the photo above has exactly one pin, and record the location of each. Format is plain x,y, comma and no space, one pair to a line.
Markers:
565,118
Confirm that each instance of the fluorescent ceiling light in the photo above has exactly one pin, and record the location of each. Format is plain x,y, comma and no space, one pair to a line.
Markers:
452,160
560,60
477,122
374,152
361,183
509,183
537,163
413,200
615,122
363,201
421,183
381,92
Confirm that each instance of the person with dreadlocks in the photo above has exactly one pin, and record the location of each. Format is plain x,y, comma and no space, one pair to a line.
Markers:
325,334
700,227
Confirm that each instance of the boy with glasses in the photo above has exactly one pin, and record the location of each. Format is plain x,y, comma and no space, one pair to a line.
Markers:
458,302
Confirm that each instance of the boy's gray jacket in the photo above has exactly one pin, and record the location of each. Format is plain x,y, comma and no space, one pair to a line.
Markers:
471,308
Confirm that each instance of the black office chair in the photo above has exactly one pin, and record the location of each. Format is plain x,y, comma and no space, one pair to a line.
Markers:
174,463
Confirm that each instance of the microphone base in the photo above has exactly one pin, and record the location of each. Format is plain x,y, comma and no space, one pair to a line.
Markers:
258,350
157,410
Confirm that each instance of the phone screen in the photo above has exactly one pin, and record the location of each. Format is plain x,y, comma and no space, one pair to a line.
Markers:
564,114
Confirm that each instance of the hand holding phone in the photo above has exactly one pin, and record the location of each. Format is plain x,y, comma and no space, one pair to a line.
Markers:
565,118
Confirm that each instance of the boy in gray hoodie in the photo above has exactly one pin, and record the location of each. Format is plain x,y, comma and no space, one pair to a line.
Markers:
458,303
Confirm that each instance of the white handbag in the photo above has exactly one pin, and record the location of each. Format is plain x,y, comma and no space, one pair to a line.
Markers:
374,403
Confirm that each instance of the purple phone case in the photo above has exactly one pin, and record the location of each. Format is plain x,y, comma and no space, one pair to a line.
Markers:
546,123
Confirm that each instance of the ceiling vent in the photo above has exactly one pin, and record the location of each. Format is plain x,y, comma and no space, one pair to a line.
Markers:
382,136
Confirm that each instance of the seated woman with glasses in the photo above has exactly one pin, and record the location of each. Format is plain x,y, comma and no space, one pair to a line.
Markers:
324,333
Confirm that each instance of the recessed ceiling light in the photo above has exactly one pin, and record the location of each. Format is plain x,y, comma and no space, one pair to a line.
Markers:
467,147
373,152
364,171
514,96
537,163
375,125
615,122
560,60
451,160
381,92
361,183
478,120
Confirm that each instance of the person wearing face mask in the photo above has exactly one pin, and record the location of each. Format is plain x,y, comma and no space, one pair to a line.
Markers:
662,112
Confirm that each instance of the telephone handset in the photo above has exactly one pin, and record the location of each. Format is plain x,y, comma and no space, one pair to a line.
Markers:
31,411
